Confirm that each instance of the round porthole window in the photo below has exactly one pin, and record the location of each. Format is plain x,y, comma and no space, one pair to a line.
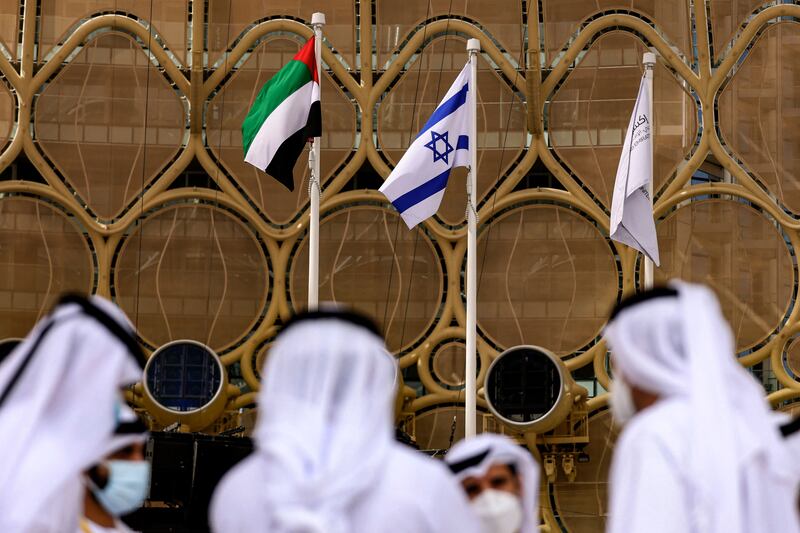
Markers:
184,381
528,388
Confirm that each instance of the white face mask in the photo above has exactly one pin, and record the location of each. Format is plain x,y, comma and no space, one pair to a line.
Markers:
499,511
621,400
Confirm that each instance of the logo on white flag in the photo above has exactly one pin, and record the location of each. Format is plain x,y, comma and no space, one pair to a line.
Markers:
631,208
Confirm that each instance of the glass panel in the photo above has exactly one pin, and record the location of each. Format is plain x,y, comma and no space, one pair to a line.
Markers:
370,260
228,108
546,276
110,122
42,254
502,19
562,19
192,272
502,120
759,112
726,17
228,19
9,24
433,430
582,505
170,20
737,252
590,113
7,115
449,364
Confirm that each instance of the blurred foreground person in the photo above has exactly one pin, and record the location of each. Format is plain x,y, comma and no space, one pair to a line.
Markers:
501,481
119,484
60,395
700,450
325,459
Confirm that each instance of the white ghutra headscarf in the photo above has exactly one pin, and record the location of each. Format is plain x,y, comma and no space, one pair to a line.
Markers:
59,403
325,423
681,346
472,458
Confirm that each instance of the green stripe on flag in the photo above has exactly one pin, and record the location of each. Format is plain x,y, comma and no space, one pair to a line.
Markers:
290,78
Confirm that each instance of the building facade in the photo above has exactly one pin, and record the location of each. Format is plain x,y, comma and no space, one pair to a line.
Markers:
123,175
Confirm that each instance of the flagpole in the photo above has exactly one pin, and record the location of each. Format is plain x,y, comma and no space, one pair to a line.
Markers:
649,61
470,368
317,22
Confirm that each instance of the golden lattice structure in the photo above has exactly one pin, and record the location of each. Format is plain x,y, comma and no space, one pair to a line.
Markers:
123,175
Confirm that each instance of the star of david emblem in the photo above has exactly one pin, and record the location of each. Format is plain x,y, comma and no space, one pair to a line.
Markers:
445,153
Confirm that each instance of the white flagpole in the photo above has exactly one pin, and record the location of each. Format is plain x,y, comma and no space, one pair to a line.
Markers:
317,22
649,61
470,392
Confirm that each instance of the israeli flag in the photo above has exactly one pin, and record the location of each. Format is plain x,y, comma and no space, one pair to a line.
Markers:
416,185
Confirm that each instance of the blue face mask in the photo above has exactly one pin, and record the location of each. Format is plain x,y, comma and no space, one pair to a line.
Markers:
127,487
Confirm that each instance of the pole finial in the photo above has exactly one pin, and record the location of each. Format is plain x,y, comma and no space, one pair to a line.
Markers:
318,19
473,45
649,59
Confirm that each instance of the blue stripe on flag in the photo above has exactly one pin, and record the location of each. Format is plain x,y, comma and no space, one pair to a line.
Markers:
422,192
447,108
463,142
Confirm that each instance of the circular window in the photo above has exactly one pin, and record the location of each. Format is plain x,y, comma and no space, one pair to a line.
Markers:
7,346
183,376
523,385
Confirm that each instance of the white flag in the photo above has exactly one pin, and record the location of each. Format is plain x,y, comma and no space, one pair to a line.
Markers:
416,185
631,209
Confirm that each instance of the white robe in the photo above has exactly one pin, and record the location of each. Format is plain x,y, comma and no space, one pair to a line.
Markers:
413,495
649,481
708,456
325,458
59,417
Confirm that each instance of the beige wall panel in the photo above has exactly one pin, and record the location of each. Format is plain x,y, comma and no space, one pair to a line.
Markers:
395,20
227,19
502,131
582,505
192,272
793,356
228,108
402,292
759,112
434,428
546,277
448,364
726,18
590,113
42,254
170,19
562,19
7,112
110,122
9,25
737,252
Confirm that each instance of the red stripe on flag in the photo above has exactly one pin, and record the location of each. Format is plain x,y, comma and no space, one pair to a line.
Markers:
306,55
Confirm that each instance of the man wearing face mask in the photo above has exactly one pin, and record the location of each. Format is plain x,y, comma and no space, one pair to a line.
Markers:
501,480
700,450
60,392
118,485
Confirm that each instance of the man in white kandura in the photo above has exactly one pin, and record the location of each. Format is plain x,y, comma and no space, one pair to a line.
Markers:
700,450
501,480
325,459
119,484
60,397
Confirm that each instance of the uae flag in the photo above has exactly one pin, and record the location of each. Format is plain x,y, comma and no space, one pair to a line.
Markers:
285,115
